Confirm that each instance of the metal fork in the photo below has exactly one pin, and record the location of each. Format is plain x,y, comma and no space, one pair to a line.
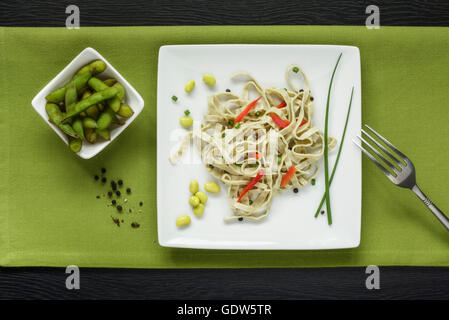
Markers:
405,176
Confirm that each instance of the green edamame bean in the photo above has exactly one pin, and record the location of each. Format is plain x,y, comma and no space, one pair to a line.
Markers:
202,196
105,134
89,123
71,97
95,68
183,221
125,111
59,94
194,201
105,118
110,82
186,121
78,127
91,100
189,86
212,187
199,210
98,86
75,144
194,186
209,79
55,115
91,135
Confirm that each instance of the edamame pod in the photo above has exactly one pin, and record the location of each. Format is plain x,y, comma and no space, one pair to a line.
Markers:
55,115
105,118
91,135
125,111
91,100
71,97
98,86
89,123
93,111
78,127
59,94
110,82
75,144
105,134
95,68
121,91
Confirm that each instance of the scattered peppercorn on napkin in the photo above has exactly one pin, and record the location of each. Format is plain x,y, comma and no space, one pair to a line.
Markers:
49,211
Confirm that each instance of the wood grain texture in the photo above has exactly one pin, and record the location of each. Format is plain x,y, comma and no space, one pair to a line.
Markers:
235,284
51,13
324,283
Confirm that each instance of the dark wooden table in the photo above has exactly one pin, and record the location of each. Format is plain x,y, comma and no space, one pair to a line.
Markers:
317,283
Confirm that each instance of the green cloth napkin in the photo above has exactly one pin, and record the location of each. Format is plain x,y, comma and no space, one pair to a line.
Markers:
49,214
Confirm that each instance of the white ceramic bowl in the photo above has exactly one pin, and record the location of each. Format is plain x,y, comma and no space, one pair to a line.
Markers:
132,98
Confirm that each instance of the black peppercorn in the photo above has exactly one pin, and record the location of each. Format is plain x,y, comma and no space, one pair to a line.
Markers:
103,179
128,190
228,90
96,177
110,194
311,98
322,211
140,203
118,193
98,197
135,225
103,170
295,190
119,208
120,182
240,219
114,202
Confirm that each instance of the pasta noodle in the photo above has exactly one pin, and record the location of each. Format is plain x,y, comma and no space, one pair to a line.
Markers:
235,154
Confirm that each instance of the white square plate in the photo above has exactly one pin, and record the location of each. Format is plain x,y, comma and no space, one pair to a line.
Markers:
290,223
132,98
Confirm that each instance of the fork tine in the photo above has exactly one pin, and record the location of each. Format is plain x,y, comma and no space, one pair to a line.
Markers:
399,163
381,167
377,153
388,143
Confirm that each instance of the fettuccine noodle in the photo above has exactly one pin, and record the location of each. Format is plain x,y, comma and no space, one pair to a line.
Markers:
236,154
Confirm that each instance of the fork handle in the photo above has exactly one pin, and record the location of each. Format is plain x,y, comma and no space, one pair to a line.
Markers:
437,212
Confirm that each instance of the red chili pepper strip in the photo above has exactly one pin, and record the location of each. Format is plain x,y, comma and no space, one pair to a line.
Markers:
252,183
281,123
283,104
287,177
256,155
246,110
304,121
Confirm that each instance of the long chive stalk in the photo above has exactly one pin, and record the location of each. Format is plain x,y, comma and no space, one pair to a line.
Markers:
338,153
326,147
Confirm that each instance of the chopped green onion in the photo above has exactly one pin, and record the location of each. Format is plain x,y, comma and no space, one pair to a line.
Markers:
285,89
187,112
326,147
174,98
237,125
279,160
238,164
257,113
313,182
250,202
338,153
231,122
223,135
295,69
211,166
